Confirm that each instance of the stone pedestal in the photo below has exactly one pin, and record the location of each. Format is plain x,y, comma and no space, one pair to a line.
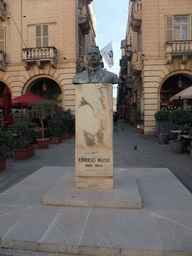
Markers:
94,136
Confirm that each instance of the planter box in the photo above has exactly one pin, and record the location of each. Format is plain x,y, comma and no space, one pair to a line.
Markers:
43,143
177,146
2,163
56,140
66,136
24,153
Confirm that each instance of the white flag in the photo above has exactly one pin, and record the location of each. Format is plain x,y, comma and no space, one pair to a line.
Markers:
107,53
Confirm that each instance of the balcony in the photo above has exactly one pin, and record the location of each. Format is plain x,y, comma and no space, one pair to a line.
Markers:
89,1
83,20
2,61
178,48
136,63
129,82
40,55
136,15
3,10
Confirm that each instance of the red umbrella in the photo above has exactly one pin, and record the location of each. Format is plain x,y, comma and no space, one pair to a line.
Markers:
1,102
25,99
8,120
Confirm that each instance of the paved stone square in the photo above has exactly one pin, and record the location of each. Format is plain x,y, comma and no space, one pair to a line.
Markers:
162,227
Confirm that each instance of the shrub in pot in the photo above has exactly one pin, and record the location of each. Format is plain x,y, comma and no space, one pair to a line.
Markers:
24,135
68,120
5,145
56,129
41,110
162,116
179,117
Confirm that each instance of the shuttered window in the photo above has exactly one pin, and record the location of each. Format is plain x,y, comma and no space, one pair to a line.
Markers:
178,28
42,35
169,30
191,26
2,39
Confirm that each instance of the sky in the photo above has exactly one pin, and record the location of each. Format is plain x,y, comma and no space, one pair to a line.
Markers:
112,16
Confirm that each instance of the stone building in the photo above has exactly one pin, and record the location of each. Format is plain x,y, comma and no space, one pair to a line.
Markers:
158,55
42,46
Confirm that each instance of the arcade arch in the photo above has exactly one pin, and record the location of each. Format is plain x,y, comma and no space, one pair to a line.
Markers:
45,87
172,85
2,87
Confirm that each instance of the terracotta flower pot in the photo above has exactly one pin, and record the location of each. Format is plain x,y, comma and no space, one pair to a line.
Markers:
2,163
66,136
24,153
140,131
43,143
56,140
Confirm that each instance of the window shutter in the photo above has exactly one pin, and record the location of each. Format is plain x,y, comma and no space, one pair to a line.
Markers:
38,36
45,36
45,30
2,39
42,36
169,28
190,25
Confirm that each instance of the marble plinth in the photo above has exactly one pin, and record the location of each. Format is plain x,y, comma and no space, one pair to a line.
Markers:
94,136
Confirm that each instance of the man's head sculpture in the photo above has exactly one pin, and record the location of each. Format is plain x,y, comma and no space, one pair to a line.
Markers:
93,56
95,73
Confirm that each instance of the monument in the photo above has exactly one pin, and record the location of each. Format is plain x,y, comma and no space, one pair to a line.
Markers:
94,125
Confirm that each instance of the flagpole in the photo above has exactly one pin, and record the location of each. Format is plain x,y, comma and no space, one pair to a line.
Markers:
17,29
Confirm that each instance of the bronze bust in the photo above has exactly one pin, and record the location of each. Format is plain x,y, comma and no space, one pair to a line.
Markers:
95,73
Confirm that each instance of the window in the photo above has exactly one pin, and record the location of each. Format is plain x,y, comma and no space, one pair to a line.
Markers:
42,35
2,39
178,28
181,28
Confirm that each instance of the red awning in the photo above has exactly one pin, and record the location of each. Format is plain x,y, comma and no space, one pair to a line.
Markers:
175,102
24,100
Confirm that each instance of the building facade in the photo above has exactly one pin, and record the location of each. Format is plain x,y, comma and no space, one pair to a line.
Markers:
158,56
43,45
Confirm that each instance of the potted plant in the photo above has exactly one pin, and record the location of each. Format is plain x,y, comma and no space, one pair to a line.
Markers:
162,116
179,117
41,110
56,129
68,120
140,121
24,135
5,145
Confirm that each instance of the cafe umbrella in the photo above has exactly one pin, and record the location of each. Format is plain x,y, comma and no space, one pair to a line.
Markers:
25,99
183,95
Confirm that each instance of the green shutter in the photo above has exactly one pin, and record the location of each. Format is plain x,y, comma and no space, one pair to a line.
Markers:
169,28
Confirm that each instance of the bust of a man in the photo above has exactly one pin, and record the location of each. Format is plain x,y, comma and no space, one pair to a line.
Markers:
95,73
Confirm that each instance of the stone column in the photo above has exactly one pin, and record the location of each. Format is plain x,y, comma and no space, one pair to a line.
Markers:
94,136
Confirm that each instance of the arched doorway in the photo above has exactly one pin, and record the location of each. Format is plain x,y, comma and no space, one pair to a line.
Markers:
2,87
46,88
173,85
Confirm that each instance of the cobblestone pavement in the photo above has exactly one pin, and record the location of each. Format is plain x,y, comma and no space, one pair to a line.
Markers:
149,154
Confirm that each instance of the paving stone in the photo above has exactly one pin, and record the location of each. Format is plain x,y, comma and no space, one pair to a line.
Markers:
121,229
